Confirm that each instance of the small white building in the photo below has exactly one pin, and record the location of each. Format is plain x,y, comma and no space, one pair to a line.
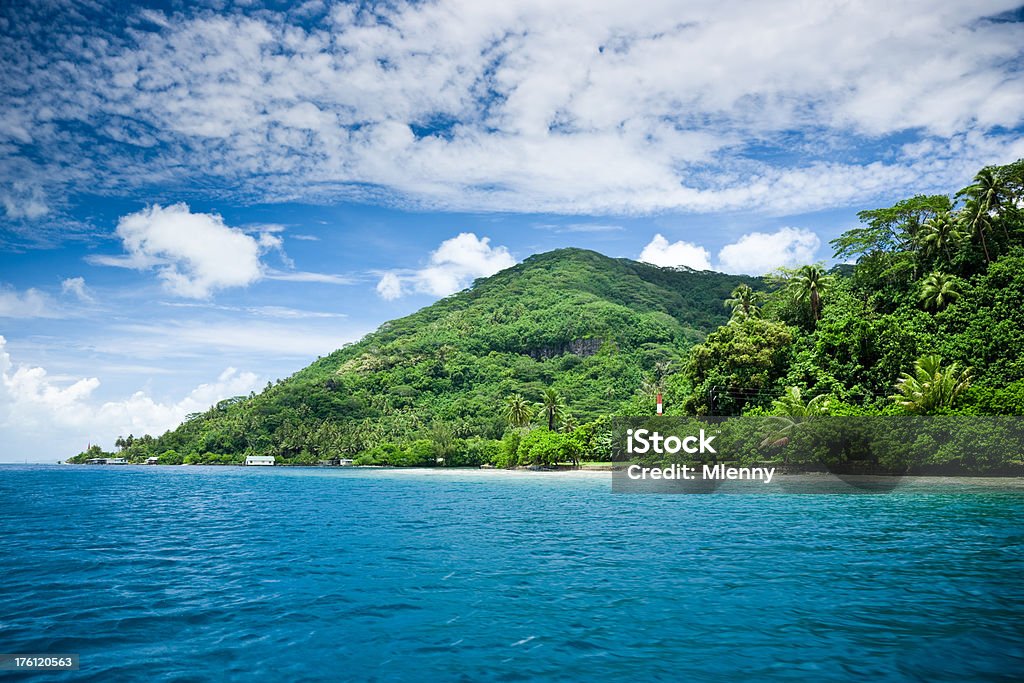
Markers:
153,460
261,460
336,462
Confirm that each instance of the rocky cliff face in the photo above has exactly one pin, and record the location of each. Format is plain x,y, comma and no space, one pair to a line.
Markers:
579,347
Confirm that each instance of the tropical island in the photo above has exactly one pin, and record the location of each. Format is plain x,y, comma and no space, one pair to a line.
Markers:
527,367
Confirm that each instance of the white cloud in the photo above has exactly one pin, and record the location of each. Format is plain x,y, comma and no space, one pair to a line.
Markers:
390,286
43,418
660,252
197,253
76,286
270,242
508,106
754,253
260,228
22,200
292,313
452,267
581,227
305,276
593,227
194,253
758,253
28,304
116,261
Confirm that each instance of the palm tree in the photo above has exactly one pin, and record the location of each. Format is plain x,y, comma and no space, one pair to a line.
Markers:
743,302
662,368
552,407
938,291
988,191
793,404
790,411
569,424
518,410
976,221
649,388
809,284
931,387
443,437
938,233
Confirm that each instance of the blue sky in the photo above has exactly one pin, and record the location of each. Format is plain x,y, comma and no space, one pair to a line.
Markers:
198,198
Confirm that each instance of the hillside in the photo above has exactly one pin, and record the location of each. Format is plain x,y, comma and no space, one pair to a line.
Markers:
527,366
596,330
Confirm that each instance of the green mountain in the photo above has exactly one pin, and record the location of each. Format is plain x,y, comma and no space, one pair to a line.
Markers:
526,366
594,329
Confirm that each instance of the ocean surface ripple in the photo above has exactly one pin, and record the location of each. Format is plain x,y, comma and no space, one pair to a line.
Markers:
197,573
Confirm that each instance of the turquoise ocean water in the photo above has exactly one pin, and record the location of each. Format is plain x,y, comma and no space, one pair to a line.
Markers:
194,573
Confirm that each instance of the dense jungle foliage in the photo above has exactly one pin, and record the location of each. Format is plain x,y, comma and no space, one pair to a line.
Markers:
527,366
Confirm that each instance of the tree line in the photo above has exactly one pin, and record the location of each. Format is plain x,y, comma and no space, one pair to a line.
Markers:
923,316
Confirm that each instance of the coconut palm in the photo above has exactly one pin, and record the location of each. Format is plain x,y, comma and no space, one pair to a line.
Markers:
743,302
662,368
790,411
552,407
932,387
444,441
793,404
938,291
649,388
809,284
939,233
976,221
655,385
518,410
989,192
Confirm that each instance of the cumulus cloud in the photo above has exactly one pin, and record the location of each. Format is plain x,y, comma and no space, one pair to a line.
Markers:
28,304
758,253
755,253
42,417
390,286
660,252
76,286
507,106
194,253
452,266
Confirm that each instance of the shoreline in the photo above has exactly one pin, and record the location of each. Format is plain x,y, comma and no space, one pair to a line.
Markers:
593,473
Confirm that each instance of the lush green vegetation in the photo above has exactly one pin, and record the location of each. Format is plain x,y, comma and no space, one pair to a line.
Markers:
518,369
526,366
927,321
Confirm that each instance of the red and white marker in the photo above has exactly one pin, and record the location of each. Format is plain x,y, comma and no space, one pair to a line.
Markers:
659,404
